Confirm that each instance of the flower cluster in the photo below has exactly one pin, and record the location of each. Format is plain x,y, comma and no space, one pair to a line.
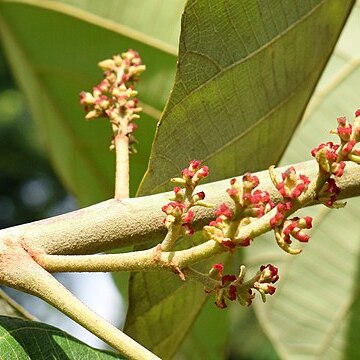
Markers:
178,211
231,287
178,214
331,157
114,97
294,227
292,184
328,194
328,158
291,187
192,175
248,204
218,229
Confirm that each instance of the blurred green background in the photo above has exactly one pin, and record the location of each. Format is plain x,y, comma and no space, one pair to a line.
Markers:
29,188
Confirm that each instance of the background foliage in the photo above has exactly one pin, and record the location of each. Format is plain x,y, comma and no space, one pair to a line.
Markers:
265,56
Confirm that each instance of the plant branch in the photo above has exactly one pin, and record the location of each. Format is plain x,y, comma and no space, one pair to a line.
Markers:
161,258
145,260
115,224
20,271
152,259
171,237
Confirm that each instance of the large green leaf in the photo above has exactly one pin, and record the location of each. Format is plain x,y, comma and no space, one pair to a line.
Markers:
165,310
20,340
246,71
315,314
209,336
53,48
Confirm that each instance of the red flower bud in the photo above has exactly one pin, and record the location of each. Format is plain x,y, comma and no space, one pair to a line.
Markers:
223,210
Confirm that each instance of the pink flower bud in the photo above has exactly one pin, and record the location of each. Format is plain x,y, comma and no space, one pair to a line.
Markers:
267,289
187,174
280,215
269,273
348,147
250,182
189,217
245,242
223,210
344,129
229,244
189,231
219,267
338,168
200,195
173,208
194,165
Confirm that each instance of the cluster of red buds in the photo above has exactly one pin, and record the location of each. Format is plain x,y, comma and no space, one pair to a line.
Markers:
114,97
178,211
192,175
294,227
291,187
249,204
332,158
328,194
292,184
232,287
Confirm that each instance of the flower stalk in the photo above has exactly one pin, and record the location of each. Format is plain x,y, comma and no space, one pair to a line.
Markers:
114,98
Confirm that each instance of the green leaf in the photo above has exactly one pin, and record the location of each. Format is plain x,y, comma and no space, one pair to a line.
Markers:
247,340
316,310
163,308
163,312
20,339
246,71
53,48
209,336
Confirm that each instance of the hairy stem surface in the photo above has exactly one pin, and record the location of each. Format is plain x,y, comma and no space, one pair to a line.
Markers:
114,224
